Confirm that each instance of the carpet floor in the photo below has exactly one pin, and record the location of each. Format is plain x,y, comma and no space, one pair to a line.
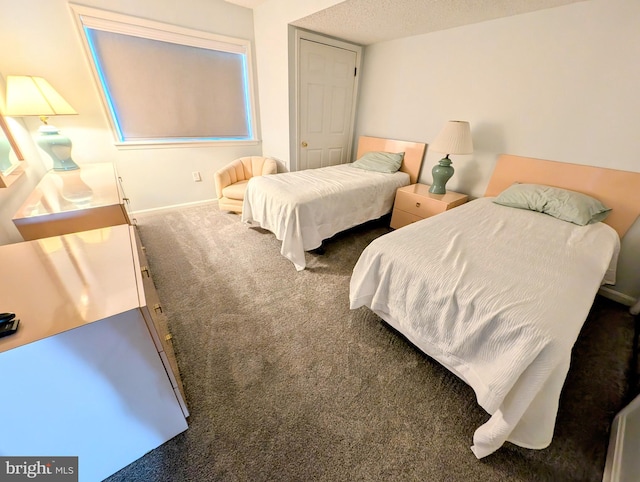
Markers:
285,383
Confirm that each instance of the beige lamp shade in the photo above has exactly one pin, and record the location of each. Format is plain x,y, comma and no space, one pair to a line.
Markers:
27,96
454,138
34,96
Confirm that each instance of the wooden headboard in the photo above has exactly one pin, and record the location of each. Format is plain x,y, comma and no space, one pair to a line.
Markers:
619,190
413,152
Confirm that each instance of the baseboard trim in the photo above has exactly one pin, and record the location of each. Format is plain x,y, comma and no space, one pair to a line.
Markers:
616,296
173,207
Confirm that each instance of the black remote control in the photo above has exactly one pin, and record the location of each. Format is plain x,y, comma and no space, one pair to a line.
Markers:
6,317
9,327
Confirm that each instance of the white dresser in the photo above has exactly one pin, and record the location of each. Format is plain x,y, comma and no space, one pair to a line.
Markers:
91,371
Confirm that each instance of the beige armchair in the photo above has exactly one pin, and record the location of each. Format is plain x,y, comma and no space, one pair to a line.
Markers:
231,180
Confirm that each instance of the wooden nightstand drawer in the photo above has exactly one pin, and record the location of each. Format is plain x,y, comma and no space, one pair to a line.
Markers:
415,202
418,205
401,218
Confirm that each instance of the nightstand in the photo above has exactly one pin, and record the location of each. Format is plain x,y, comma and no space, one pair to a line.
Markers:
415,202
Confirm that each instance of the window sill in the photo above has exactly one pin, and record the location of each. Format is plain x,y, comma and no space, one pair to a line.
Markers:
182,145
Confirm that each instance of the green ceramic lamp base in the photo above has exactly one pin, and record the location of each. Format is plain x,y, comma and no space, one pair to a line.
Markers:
58,147
441,173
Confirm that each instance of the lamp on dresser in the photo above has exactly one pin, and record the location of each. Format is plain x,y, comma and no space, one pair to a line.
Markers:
34,96
454,138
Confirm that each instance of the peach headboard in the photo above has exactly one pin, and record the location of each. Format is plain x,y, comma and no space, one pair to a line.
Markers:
619,190
413,152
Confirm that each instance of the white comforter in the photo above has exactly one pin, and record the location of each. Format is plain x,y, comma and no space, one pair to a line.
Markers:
497,295
303,208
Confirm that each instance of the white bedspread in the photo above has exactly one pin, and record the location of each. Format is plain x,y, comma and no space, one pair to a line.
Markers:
497,295
303,208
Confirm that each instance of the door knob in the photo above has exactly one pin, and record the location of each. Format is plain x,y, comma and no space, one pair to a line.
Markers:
304,144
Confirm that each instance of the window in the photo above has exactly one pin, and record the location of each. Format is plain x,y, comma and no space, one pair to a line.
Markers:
163,84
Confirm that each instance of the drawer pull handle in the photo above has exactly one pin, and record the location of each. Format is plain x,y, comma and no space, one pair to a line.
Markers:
157,308
168,336
145,270
417,205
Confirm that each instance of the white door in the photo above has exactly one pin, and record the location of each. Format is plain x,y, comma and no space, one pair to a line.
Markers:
327,81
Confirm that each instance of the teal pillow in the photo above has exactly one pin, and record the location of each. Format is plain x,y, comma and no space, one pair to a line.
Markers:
575,207
380,161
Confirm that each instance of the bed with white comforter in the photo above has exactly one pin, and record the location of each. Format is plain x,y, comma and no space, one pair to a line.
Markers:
303,208
498,296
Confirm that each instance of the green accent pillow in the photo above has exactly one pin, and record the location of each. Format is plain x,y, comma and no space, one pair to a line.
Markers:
560,203
380,161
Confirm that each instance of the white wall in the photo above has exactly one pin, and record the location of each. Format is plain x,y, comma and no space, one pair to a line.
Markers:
559,84
271,20
40,38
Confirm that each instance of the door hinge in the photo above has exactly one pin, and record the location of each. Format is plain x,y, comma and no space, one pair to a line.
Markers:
355,71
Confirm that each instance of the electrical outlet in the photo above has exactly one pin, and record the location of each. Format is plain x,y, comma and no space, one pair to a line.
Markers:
196,176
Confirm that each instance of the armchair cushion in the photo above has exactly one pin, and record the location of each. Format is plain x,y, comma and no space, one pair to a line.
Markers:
231,181
235,190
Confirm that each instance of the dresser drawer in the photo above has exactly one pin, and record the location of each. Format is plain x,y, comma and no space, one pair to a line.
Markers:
418,205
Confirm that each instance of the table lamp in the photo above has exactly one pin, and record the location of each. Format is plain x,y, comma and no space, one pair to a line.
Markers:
454,138
34,96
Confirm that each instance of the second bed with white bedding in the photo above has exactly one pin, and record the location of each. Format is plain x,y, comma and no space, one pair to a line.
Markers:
498,296
303,208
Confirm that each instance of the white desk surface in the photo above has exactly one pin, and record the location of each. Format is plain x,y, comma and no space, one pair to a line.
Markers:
63,282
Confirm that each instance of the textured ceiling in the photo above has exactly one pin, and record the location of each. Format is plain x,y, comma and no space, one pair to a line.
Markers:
369,21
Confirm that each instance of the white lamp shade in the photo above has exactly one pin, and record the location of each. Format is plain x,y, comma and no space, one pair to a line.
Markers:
454,138
28,96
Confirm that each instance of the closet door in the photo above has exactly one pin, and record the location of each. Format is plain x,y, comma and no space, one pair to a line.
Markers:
327,83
